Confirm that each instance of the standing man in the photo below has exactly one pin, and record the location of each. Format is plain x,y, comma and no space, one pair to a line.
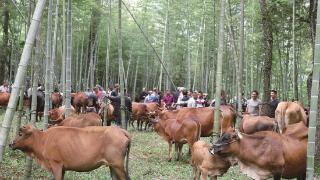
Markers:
253,104
168,99
115,91
116,101
273,103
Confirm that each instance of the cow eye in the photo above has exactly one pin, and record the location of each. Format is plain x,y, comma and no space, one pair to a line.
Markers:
20,133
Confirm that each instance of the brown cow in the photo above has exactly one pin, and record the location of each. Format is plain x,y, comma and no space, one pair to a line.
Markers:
178,132
80,149
251,124
205,116
266,153
82,120
4,98
206,164
56,99
139,114
57,114
80,101
289,113
107,109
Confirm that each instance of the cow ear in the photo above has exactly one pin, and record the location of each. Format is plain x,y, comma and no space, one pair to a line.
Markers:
27,130
239,134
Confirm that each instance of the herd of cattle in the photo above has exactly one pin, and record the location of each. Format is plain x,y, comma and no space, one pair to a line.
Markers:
263,147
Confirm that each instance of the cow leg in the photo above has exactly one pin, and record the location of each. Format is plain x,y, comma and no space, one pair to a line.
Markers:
170,151
112,173
213,178
57,171
119,173
204,175
196,172
277,177
179,147
302,177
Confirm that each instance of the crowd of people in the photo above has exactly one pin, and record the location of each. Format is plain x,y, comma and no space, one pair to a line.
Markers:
172,99
176,99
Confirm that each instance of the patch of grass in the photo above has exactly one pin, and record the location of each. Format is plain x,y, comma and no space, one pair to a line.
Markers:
148,160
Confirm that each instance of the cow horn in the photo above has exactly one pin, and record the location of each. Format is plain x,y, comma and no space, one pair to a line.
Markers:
239,134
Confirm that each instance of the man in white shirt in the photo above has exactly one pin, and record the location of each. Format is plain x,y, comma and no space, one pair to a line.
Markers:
192,100
253,104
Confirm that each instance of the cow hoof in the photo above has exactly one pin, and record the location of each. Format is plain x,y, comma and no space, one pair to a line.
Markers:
169,160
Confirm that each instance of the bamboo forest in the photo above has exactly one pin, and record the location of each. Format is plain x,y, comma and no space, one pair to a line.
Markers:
103,89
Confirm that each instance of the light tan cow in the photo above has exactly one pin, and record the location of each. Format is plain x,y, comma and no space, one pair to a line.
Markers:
289,113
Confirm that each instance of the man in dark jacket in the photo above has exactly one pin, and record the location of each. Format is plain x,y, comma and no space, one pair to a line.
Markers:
116,101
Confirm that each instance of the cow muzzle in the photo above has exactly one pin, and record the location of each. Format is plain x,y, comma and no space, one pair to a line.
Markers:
12,145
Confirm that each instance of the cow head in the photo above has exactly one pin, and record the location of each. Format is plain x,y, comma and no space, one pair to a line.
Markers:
228,144
24,138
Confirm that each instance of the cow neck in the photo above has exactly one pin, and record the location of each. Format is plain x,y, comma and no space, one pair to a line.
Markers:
249,141
38,143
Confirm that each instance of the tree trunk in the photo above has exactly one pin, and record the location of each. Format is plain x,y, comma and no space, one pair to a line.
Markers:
19,79
295,74
219,68
135,80
47,92
80,79
68,59
54,44
64,41
239,76
108,46
121,70
314,103
164,44
4,49
267,46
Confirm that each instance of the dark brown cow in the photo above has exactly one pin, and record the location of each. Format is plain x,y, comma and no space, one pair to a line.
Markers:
80,101
251,124
266,153
82,120
289,113
206,164
4,98
179,133
56,99
205,116
80,149
57,114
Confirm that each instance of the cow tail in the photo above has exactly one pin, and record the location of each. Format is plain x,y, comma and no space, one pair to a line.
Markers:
127,158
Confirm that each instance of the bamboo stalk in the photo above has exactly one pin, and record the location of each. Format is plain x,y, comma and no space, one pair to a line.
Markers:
19,79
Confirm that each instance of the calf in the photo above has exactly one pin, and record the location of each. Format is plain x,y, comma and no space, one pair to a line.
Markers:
57,114
80,149
289,113
56,99
251,124
173,131
266,153
82,120
206,164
